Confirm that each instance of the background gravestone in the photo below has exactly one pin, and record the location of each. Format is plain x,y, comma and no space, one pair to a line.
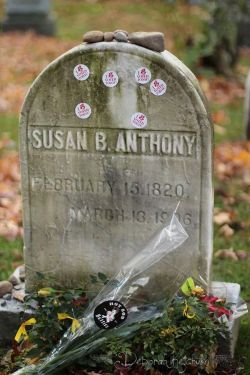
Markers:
29,15
113,136
244,26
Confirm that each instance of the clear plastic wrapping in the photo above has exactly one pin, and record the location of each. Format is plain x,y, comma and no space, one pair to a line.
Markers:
134,287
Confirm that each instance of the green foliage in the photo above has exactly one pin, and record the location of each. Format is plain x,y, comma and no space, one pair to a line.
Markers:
171,338
48,329
100,278
9,124
47,303
186,329
216,45
219,40
11,255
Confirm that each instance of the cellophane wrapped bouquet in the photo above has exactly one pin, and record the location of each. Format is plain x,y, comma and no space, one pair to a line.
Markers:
131,300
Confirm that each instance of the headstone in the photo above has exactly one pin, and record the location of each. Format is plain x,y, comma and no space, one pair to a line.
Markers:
112,137
29,15
247,107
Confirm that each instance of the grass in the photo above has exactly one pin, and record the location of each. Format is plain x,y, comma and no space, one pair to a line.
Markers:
234,128
11,257
9,124
133,15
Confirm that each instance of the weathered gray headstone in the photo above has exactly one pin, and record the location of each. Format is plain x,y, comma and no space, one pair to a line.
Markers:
29,15
112,137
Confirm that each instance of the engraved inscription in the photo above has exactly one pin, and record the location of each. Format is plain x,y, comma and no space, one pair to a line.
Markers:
79,184
71,185
155,189
115,215
114,141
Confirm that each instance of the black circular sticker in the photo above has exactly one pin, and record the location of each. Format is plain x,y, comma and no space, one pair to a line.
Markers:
110,314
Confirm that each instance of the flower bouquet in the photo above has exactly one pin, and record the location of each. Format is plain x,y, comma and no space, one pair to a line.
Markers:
120,305
177,323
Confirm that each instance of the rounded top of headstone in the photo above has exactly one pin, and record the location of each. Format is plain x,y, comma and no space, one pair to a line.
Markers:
122,56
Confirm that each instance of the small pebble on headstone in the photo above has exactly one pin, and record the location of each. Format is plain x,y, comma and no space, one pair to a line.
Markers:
93,36
150,40
5,287
108,36
3,303
123,31
120,36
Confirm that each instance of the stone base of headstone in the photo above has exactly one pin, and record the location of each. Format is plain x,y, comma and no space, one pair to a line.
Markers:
12,314
39,23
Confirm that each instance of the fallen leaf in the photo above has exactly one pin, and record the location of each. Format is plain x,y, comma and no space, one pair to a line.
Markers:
10,198
242,254
219,129
222,90
220,117
20,65
226,253
245,197
232,159
229,201
9,230
226,230
222,218
18,295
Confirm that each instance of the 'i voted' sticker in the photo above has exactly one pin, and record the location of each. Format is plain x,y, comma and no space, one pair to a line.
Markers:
139,120
81,72
110,314
110,78
158,87
142,75
83,110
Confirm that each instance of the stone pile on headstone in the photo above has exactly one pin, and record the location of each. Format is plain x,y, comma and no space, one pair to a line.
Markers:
26,15
151,40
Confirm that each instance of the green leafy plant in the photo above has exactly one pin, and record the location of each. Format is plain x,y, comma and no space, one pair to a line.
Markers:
217,45
49,303
55,311
171,340
187,329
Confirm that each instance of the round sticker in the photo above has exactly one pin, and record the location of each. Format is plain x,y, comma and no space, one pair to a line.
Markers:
142,75
158,87
139,120
110,314
110,78
81,72
83,110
